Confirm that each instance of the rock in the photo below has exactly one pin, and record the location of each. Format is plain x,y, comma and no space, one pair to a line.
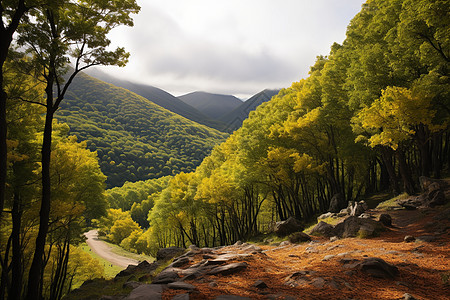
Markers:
317,282
386,220
365,216
180,262
407,296
376,267
337,203
228,269
169,253
181,286
358,208
334,239
284,243
328,257
325,216
146,292
284,228
426,183
260,284
434,198
166,276
142,267
353,226
299,237
409,239
323,229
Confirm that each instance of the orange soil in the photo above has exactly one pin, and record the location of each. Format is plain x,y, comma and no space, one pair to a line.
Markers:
424,267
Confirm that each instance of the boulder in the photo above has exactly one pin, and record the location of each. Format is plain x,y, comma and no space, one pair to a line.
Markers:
337,203
358,208
386,220
169,253
376,267
228,269
146,292
354,226
299,237
323,229
284,228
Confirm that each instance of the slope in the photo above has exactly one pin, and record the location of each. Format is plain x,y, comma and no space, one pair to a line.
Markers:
135,139
160,97
212,105
234,119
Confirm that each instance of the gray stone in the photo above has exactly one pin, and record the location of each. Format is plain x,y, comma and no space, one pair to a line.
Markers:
317,282
323,229
166,276
146,292
260,284
180,262
169,253
181,286
385,219
407,296
299,237
354,226
325,216
284,228
334,239
409,239
377,267
228,269
328,257
358,208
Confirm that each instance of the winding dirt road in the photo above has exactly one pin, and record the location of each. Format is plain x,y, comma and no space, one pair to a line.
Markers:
104,250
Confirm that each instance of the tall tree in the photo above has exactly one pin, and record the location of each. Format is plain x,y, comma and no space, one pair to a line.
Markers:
61,32
11,15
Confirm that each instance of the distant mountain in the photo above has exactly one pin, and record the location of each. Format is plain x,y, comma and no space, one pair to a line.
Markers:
214,106
135,139
162,98
234,119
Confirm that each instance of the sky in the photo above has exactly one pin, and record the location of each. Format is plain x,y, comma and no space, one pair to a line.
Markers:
234,47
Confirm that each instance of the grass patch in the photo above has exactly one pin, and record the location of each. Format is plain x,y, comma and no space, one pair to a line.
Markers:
110,271
392,203
122,252
445,277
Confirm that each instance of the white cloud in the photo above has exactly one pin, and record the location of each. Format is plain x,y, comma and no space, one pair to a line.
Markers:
234,46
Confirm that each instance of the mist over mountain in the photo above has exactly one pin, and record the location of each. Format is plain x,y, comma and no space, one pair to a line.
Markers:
214,106
162,98
234,119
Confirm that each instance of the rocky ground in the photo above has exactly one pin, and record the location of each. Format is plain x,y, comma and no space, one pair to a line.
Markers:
408,260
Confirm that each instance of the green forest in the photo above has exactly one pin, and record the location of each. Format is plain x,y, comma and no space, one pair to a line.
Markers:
135,139
372,116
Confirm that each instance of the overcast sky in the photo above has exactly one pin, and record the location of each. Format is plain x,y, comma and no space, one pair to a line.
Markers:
237,47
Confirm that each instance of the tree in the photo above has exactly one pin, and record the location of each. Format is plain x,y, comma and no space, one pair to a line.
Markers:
61,31
11,15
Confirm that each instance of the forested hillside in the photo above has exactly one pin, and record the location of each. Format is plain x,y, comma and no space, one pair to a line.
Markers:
372,116
213,105
135,139
234,119
161,98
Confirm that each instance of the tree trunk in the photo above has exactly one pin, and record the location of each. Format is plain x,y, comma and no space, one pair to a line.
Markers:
34,277
3,146
408,184
16,283
387,159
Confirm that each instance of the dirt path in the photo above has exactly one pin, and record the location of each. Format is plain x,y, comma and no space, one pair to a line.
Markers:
104,250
